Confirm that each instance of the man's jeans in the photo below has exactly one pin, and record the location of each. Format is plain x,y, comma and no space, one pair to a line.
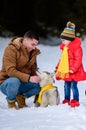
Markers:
71,86
13,86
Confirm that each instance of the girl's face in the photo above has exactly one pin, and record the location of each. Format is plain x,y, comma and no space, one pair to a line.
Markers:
65,42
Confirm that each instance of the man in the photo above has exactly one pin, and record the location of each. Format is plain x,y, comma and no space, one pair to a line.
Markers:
18,79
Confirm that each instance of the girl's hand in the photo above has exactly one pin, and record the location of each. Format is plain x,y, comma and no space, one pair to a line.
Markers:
71,71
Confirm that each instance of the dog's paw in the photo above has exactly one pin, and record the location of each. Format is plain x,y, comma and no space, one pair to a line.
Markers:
37,104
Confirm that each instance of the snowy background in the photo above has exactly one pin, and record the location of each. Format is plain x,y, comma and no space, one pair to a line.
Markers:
61,117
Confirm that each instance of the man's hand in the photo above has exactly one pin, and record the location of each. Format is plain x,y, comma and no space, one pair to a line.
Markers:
35,79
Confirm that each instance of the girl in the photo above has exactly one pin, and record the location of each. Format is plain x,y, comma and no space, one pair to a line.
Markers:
70,67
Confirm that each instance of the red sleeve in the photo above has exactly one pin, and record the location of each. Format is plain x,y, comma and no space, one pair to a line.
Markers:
76,62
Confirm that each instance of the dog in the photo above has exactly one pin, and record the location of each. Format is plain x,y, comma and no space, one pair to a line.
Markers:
49,93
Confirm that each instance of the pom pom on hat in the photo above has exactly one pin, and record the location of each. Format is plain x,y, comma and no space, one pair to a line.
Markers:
70,25
69,32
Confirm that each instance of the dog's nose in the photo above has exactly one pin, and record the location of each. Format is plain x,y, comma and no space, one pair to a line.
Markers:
53,80
37,70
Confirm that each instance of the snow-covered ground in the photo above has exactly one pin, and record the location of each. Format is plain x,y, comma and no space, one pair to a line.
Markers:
61,117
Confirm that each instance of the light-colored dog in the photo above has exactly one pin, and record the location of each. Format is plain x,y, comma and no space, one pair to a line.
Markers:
49,93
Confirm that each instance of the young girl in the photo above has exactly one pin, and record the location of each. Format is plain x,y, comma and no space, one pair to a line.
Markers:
70,67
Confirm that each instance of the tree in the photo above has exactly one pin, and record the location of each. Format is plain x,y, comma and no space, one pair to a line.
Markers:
44,16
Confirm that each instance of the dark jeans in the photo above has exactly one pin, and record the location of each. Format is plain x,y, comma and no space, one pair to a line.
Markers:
13,86
72,85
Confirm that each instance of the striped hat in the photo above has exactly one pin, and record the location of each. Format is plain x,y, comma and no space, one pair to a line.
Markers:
69,32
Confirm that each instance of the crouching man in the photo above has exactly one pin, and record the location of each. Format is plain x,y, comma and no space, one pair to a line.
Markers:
18,79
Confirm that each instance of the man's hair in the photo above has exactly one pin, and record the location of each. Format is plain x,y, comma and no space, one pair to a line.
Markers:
31,34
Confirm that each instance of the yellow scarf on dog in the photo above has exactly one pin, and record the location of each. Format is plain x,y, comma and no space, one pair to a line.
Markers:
63,67
47,87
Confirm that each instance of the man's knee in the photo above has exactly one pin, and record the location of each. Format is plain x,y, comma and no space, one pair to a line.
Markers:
13,84
13,80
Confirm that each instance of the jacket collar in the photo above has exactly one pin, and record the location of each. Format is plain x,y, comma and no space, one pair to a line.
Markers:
17,42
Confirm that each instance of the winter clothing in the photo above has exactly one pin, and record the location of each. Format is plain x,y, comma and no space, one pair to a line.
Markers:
75,61
68,32
74,103
21,101
11,104
63,67
65,101
18,62
73,66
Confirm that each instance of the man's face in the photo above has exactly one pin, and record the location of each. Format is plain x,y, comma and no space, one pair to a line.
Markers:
30,44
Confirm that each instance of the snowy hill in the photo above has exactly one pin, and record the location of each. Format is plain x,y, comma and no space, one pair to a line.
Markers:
61,117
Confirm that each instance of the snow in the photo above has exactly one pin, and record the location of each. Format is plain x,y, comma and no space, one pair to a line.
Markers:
61,117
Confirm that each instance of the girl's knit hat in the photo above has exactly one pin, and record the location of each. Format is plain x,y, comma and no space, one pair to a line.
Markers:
68,32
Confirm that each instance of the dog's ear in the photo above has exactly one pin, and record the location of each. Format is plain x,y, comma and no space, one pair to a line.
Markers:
52,74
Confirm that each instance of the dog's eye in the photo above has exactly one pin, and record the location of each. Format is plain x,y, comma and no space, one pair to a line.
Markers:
46,72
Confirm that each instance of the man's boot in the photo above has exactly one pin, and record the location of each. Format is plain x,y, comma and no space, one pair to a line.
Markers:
21,101
11,104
